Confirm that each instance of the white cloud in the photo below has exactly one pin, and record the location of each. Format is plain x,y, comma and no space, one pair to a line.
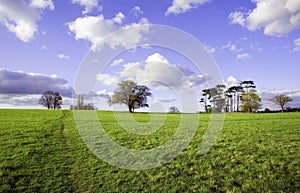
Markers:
232,81
182,6
20,17
136,11
244,56
103,94
237,17
42,4
96,28
119,18
276,17
157,72
88,4
116,62
297,45
44,47
63,56
107,79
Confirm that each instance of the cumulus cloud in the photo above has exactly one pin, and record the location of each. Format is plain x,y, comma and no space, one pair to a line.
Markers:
88,4
276,17
16,82
96,28
158,72
182,6
20,17
243,56
232,81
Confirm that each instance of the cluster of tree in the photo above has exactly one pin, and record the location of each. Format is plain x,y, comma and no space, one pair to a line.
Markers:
51,100
81,106
243,97
130,94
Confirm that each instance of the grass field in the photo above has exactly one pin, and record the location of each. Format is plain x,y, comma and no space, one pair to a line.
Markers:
42,151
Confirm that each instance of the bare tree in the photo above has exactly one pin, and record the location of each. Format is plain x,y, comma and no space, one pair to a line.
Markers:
281,100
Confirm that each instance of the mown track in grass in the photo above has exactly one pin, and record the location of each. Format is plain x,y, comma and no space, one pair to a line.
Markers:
41,151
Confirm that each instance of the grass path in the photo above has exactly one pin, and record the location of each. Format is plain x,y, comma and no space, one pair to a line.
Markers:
41,151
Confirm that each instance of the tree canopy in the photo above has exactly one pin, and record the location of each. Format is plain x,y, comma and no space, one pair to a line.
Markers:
51,100
220,98
281,100
130,94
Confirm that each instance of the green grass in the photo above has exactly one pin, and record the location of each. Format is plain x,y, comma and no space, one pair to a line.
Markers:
42,151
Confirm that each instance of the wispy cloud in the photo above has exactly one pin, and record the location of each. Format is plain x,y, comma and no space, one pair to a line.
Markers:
117,62
63,56
296,45
44,47
243,56
165,100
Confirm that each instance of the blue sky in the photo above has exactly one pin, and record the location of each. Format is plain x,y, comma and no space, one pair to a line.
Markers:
44,43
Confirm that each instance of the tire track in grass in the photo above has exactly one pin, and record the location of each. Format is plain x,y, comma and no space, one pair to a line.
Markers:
67,153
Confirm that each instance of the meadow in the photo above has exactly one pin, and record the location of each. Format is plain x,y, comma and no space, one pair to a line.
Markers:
42,151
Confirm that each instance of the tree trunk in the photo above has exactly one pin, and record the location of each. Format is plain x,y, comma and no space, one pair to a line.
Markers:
282,108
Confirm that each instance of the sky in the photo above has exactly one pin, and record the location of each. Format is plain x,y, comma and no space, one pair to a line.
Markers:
45,45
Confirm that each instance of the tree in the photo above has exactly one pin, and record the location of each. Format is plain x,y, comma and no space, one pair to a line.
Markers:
173,109
51,100
81,106
237,91
281,100
215,96
130,94
207,95
249,98
229,93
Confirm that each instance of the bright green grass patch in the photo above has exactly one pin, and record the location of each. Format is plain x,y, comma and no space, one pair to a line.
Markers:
41,151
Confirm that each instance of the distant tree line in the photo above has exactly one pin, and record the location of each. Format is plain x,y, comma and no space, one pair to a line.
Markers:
81,106
240,98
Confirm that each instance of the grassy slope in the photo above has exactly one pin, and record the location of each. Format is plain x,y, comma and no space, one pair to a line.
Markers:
41,151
